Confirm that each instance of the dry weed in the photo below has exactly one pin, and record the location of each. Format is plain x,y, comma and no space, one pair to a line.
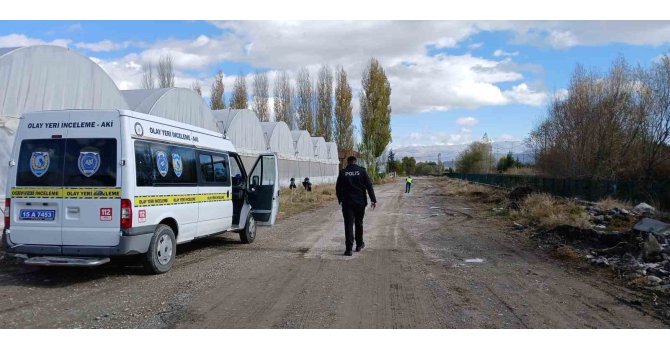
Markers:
611,203
296,201
545,211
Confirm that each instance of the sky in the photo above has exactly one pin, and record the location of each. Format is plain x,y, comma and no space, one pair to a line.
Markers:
452,81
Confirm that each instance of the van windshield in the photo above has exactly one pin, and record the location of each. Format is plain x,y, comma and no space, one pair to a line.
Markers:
67,163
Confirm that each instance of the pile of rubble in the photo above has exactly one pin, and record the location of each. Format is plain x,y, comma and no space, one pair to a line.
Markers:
639,254
642,256
602,218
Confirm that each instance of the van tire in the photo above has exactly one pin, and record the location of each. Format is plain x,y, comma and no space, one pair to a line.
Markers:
248,234
156,262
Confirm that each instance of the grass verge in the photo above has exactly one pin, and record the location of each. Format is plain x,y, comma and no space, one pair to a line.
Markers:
296,201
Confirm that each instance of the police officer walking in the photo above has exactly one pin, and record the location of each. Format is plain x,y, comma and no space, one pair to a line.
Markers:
408,183
352,184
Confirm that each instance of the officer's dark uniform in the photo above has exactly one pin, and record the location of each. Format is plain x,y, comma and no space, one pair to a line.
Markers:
352,183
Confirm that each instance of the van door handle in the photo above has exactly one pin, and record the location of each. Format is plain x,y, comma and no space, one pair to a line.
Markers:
73,210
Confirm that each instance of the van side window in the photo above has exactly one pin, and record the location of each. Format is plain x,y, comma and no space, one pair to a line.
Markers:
206,168
214,169
236,173
179,171
221,169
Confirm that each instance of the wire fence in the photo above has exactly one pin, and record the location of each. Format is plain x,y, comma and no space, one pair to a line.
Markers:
656,194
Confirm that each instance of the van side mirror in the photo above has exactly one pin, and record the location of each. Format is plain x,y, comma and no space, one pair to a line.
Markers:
255,180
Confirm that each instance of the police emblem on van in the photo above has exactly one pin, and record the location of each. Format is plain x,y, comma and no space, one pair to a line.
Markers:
139,131
177,165
89,163
162,163
39,163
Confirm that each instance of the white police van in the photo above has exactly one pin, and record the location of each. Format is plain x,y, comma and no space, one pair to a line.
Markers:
87,185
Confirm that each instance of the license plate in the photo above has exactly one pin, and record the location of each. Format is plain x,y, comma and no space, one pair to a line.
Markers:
31,214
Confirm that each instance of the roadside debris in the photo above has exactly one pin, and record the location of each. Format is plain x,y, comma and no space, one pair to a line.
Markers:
474,260
644,208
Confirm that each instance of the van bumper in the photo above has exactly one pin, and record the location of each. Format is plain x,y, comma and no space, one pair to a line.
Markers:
128,245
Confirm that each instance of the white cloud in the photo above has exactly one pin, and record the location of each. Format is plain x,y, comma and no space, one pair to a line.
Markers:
475,46
420,82
501,53
103,46
14,40
565,34
561,94
523,94
467,121
506,138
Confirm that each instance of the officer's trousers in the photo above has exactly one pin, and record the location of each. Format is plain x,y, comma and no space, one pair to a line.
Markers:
353,217
408,186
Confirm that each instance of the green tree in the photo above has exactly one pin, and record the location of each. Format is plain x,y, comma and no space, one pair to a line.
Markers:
375,101
283,99
344,129
409,165
390,162
239,98
475,159
324,104
506,162
261,96
426,168
305,101
216,98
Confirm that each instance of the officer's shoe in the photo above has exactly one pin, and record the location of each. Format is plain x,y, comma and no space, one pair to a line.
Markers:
347,253
360,247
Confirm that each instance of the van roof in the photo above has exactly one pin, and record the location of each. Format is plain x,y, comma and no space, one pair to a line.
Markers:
146,117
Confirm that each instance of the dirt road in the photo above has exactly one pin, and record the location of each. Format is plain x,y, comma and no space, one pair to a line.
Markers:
431,261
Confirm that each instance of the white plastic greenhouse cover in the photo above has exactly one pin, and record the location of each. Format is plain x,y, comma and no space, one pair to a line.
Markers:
320,148
278,138
302,143
44,77
178,104
243,129
332,151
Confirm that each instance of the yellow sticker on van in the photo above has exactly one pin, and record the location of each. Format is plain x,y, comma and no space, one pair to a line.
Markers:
172,199
68,192
47,192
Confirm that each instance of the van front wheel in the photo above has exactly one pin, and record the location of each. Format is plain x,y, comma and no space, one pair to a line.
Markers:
162,251
249,233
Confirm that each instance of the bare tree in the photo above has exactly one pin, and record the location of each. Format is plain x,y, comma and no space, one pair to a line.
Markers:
261,96
238,100
195,86
148,80
655,95
165,72
343,130
324,107
283,104
216,98
304,100
596,131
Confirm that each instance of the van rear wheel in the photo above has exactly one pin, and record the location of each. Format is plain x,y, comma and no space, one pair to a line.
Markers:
249,233
162,250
